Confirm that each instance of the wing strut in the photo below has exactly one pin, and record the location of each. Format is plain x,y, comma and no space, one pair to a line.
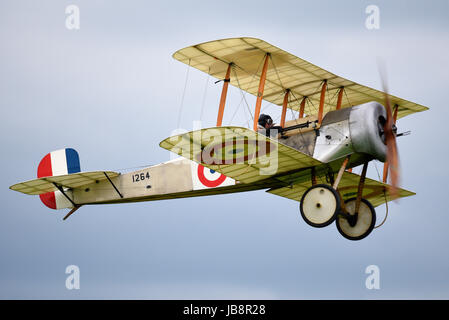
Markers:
340,98
360,187
224,92
263,77
284,107
110,181
322,97
301,107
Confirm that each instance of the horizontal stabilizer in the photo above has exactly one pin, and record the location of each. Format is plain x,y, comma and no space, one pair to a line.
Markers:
71,181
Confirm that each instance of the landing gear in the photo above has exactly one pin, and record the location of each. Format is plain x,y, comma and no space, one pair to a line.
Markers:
320,205
356,225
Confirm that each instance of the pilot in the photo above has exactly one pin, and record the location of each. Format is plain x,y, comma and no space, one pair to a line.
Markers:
266,126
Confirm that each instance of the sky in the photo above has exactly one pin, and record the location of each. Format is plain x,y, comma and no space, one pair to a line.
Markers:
112,91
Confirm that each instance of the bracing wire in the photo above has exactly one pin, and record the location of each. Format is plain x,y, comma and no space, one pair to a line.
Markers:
243,92
270,103
309,102
346,95
243,97
204,95
277,73
315,109
295,99
183,95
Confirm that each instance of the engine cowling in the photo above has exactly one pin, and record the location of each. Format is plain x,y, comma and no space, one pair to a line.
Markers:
358,129
366,124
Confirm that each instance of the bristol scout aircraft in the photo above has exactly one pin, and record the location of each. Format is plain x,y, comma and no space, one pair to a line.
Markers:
339,125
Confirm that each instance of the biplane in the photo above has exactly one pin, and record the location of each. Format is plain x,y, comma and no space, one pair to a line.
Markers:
339,125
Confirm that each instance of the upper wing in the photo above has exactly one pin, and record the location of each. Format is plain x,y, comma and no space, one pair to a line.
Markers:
374,191
238,153
73,180
284,71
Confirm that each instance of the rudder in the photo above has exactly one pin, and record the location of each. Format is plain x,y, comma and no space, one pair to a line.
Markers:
56,163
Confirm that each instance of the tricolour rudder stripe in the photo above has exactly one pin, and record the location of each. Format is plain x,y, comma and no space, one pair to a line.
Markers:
73,161
56,163
44,168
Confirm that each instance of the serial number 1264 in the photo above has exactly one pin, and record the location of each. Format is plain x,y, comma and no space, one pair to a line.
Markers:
140,176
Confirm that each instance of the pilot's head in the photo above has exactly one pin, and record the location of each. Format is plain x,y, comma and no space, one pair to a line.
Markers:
265,121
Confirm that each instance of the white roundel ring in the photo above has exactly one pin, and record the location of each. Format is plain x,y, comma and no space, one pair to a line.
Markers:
210,178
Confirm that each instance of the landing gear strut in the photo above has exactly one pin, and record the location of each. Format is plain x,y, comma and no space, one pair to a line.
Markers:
321,205
358,217
356,225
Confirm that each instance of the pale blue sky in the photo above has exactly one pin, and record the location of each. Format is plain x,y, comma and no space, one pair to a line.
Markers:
112,91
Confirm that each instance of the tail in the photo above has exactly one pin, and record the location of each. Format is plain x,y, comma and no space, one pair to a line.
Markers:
56,163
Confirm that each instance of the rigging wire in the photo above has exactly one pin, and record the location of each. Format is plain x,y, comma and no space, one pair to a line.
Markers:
250,85
243,92
313,108
183,94
270,103
335,93
235,111
310,100
296,99
346,95
277,73
330,99
280,83
204,95
242,99
303,140
246,91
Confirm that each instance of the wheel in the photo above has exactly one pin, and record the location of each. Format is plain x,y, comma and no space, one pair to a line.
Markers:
320,205
359,225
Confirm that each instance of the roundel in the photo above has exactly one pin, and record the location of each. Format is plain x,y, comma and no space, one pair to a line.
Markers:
235,151
210,178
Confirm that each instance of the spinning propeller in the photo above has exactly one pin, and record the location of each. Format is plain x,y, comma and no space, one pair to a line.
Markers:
391,165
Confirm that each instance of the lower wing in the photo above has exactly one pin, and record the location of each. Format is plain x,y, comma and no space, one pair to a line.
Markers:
239,153
374,191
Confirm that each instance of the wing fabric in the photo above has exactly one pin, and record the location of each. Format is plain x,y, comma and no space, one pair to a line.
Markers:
374,191
74,180
285,71
238,153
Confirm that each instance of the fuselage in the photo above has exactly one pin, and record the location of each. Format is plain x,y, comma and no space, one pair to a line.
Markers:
354,131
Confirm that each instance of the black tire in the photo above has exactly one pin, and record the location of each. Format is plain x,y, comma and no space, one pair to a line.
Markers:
333,215
342,222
